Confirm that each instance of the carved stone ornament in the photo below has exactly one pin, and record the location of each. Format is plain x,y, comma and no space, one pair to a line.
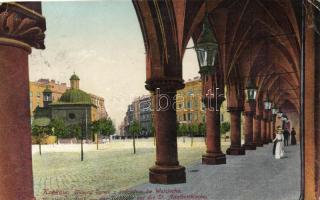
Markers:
20,23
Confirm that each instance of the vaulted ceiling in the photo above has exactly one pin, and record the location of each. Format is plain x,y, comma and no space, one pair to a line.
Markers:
258,39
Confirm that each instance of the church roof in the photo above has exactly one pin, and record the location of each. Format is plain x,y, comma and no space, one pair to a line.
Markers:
75,96
47,90
74,77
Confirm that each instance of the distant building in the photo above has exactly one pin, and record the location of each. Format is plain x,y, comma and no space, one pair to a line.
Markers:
139,110
75,106
190,109
189,106
58,89
37,88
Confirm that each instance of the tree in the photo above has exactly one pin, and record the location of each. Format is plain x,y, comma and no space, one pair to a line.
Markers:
182,130
58,127
74,131
134,129
104,126
224,128
194,130
40,129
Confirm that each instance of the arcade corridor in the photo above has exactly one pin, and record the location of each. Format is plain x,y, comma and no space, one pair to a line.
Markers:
224,182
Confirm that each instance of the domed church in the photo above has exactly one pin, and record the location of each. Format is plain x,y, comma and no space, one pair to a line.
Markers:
74,106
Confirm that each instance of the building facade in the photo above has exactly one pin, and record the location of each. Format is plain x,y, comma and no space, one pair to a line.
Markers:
189,106
58,89
139,110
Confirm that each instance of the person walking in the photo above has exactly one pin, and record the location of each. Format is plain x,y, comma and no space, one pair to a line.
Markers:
293,137
275,142
286,135
279,139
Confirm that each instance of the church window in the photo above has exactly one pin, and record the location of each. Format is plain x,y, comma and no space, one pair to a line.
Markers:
72,116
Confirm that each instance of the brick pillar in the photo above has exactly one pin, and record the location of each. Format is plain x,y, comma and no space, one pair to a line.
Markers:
270,128
167,169
235,148
21,30
257,131
273,127
214,155
264,128
15,144
248,126
267,130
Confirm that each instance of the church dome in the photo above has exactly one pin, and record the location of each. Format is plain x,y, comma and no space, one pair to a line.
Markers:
47,90
75,96
74,77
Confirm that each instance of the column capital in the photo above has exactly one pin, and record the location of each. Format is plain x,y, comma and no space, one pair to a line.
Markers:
217,103
257,117
22,24
235,109
166,85
248,113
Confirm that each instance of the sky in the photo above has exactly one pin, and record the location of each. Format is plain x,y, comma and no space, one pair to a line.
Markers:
102,43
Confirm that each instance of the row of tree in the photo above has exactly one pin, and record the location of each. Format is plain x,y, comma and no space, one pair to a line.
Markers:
59,128
199,130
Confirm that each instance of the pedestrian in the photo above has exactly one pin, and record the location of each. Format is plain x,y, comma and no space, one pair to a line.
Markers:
286,135
279,139
275,142
293,137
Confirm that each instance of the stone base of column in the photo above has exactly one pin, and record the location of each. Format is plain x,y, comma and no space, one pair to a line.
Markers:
167,174
213,159
259,144
249,146
236,151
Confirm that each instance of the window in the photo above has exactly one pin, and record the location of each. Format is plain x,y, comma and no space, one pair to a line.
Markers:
184,117
222,118
72,116
189,104
189,116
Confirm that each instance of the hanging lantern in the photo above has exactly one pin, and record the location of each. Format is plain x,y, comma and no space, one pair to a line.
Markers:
267,103
206,48
251,91
274,110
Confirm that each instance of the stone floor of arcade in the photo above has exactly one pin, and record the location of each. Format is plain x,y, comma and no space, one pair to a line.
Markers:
255,176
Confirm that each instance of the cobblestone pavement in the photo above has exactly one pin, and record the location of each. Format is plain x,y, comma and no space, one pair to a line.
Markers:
255,176
60,175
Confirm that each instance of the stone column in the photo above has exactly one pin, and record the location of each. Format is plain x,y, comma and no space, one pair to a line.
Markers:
248,126
264,128
270,128
167,169
20,30
235,148
214,155
257,131
274,117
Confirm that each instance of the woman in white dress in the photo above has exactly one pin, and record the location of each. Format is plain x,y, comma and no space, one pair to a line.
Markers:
279,153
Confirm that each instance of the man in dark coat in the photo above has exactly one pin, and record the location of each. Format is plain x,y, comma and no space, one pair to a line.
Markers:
286,135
